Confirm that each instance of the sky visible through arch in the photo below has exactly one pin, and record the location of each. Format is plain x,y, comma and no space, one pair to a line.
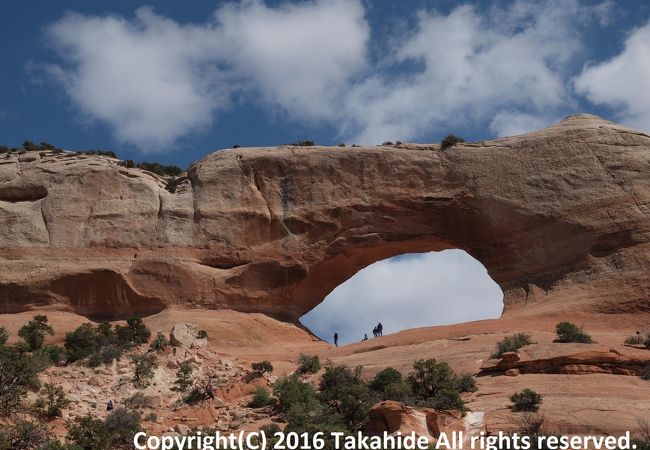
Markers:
408,291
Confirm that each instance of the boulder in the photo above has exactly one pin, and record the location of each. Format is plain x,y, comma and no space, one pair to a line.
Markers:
186,335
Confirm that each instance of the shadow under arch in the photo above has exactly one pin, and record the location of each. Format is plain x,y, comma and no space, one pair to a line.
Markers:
411,290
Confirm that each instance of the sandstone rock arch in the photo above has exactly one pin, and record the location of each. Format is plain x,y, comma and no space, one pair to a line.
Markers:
559,217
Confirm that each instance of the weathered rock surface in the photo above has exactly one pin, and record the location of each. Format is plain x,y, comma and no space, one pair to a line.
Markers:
392,417
559,217
186,335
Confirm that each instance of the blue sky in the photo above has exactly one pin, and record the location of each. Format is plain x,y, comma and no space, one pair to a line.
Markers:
172,81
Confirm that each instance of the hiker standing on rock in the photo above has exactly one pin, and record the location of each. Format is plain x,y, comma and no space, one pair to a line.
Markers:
336,339
380,329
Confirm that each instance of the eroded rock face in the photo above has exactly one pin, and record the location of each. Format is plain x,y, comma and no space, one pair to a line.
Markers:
559,218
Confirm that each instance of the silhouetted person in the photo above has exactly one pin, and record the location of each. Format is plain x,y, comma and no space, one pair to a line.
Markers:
365,337
380,329
336,339
374,332
109,405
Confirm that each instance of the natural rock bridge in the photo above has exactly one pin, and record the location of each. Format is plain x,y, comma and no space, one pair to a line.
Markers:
560,219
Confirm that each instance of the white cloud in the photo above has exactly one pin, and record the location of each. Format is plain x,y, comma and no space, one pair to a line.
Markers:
300,57
406,292
623,82
154,80
512,123
473,67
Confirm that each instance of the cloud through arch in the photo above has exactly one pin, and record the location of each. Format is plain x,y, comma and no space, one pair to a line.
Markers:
408,291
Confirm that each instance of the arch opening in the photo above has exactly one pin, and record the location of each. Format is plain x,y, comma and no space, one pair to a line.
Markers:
411,290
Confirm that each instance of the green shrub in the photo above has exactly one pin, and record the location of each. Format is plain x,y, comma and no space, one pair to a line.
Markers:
512,344
89,433
160,342
399,392
53,401
105,355
435,384
569,332
4,336
390,385
81,343
341,144
24,435
134,333
635,339
184,379
34,332
122,426
292,393
261,398
138,401
526,401
384,378
467,383
303,143
450,141
262,367
308,363
18,375
109,153
645,374
143,370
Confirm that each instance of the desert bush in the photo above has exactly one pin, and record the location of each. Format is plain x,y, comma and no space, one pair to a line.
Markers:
390,385
387,143
202,334
4,336
24,435
569,332
109,153
645,374
450,141
466,383
105,355
262,367
138,401
647,342
154,167
529,423
292,393
18,375
635,339
33,333
261,398
52,402
270,429
435,384
160,342
308,363
303,143
171,185
512,344
184,379
81,343
122,426
134,333
526,401
143,370
202,390
88,433
341,144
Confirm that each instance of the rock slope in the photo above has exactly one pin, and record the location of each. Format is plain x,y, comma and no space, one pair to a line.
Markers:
559,217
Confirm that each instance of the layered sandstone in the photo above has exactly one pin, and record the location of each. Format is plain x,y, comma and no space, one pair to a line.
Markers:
559,217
